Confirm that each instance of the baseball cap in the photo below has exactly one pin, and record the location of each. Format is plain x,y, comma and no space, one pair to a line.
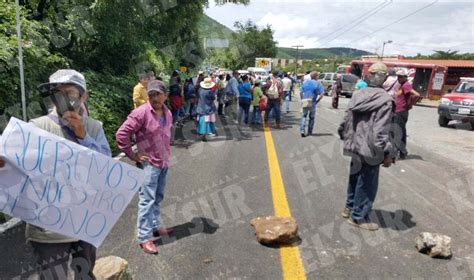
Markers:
156,85
378,67
64,76
402,72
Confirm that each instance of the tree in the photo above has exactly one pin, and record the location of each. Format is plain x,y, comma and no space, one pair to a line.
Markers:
445,54
36,55
251,42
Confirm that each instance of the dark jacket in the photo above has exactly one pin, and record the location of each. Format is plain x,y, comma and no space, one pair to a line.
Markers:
206,104
365,130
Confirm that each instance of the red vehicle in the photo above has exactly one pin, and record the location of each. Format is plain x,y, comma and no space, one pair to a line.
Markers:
458,104
428,79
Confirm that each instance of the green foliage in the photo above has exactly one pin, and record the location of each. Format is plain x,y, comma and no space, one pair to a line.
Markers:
110,41
248,43
320,53
252,42
37,59
455,55
110,101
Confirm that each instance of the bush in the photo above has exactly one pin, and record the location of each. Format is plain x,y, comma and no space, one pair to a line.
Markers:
110,101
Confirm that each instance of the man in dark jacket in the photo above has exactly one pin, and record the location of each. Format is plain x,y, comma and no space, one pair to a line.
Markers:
365,132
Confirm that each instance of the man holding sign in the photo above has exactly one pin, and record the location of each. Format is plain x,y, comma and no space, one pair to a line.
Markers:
151,124
66,88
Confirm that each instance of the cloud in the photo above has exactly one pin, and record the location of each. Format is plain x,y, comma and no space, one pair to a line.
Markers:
283,23
447,24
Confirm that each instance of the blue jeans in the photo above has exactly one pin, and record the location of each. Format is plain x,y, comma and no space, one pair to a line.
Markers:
362,188
256,117
150,195
244,104
312,111
287,100
275,107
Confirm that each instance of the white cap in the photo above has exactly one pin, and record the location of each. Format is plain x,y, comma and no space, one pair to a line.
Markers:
64,76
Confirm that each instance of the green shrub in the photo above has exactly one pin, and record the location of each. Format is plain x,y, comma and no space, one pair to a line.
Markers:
110,101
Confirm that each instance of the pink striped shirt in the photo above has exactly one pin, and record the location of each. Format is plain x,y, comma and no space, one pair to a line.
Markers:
153,137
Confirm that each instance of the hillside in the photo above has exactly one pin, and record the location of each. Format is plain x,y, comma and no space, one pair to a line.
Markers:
320,53
210,28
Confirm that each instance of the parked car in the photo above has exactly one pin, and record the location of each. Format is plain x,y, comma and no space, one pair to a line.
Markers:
349,82
327,80
458,104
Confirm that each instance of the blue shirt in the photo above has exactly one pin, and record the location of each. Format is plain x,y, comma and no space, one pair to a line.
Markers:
311,89
361,84
244,90
232,87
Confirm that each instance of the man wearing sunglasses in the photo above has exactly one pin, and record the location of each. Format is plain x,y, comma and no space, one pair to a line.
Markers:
67,90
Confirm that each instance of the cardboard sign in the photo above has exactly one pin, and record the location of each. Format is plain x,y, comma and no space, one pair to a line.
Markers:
61,186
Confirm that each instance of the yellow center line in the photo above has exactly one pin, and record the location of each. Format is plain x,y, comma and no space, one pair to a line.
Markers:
291,262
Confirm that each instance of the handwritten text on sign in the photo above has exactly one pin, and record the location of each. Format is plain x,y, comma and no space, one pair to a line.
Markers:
62,186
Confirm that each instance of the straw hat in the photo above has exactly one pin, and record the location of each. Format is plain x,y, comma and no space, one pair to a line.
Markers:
207,83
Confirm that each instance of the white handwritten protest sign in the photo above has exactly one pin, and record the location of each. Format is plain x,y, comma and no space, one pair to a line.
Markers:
62,186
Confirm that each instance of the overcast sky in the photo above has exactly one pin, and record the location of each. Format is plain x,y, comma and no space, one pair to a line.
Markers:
365,25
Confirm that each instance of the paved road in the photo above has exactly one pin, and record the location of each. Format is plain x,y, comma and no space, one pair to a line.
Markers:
215,188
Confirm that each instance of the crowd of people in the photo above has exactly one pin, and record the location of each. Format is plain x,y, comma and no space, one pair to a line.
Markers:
205,97
367,132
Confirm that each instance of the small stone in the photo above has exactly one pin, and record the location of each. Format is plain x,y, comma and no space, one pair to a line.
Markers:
271,229
434,245
208,260
111,268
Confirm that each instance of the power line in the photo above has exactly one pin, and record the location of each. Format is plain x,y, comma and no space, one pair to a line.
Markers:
396,21
345,26
355,24
430,47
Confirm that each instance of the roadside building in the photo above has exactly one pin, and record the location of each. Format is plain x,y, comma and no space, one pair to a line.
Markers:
431,78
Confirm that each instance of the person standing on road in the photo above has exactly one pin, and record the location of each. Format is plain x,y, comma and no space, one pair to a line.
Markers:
336,91
206,109
274,93
245,99
232,94
176,97
403,103
151,124
140,96
312,91
365,132
220,94
257,94
67,89
286,82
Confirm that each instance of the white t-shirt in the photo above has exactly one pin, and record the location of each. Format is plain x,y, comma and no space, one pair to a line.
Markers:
286,84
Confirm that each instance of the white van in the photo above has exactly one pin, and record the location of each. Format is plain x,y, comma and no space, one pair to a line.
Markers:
260,73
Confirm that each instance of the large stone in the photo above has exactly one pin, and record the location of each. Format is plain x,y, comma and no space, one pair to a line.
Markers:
111,268
434,245
271,230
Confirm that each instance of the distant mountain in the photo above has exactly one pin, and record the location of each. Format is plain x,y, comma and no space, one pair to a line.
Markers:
210,28
320,53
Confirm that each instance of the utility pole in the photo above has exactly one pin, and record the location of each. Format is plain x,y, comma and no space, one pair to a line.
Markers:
20,59
297,56
383,46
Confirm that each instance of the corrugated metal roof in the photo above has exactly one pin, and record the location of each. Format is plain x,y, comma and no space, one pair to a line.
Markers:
444,62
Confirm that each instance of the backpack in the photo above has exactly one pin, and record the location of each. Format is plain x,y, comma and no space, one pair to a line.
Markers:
273,91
